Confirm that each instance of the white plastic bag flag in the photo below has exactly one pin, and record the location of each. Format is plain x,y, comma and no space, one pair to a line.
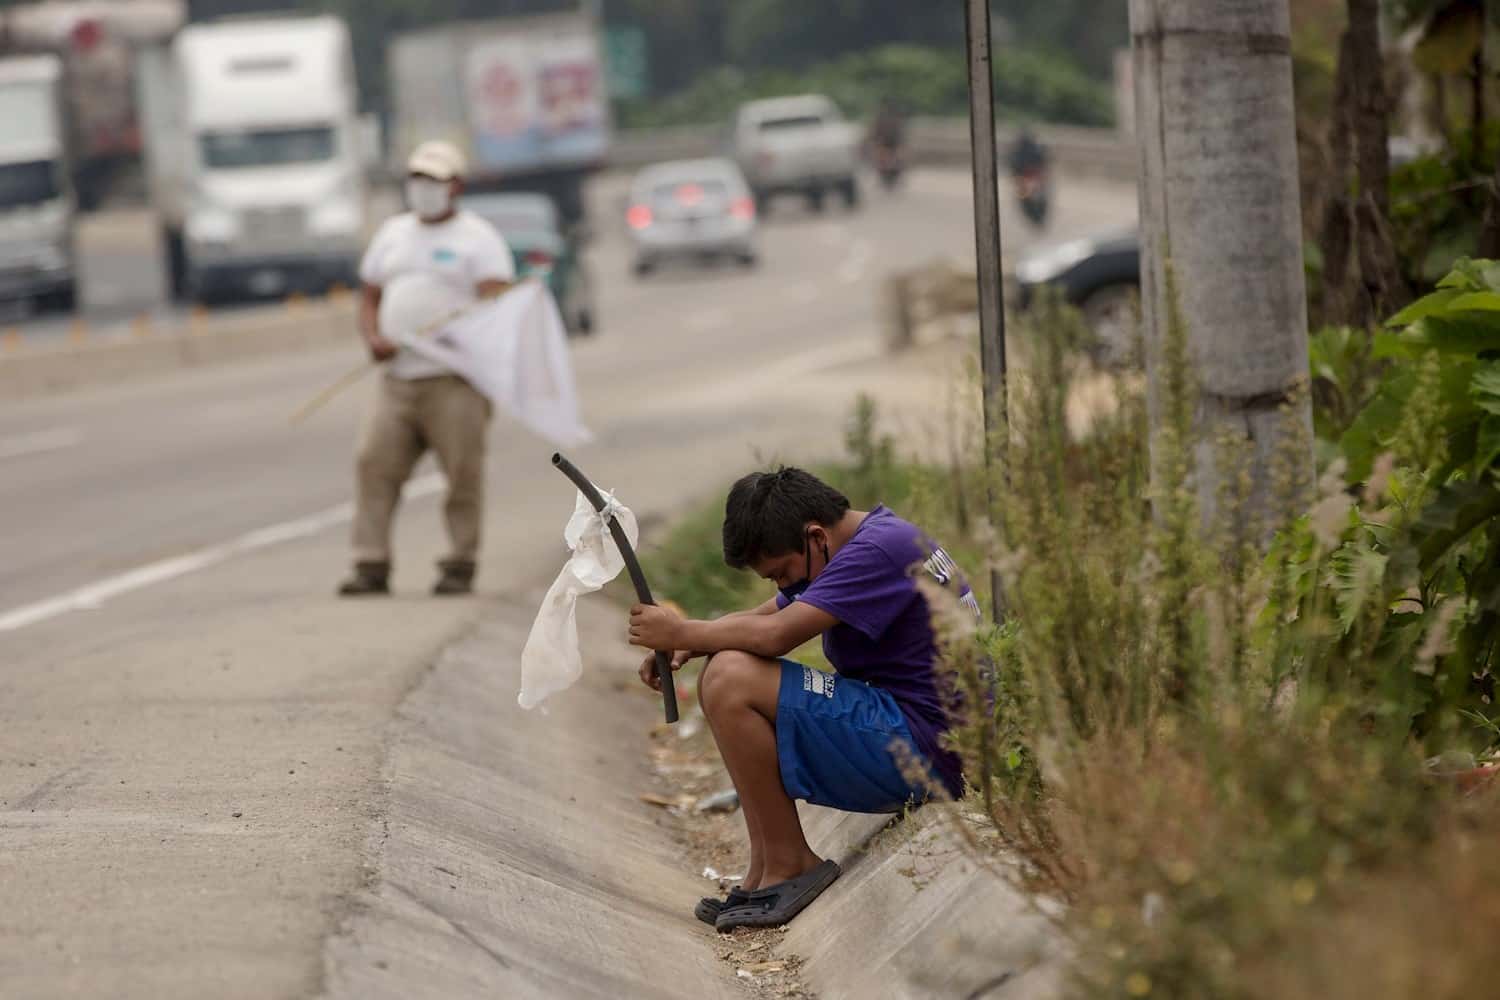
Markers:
551,660
515,351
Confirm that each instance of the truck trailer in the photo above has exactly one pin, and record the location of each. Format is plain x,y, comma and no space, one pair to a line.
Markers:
522,96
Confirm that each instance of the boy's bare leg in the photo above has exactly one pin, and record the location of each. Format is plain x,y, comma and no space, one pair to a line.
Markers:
738,693
747,812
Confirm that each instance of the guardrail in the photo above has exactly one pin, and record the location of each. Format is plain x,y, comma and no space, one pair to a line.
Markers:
1096,152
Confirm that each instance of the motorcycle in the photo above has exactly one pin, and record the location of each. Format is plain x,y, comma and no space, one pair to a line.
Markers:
1034,191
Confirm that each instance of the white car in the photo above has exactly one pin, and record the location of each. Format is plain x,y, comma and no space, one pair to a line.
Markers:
797,145
699,210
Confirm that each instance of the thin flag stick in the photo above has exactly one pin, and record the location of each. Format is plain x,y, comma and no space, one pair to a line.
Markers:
344,381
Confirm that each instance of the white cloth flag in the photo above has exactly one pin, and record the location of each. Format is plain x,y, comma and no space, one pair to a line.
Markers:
515,351
551,660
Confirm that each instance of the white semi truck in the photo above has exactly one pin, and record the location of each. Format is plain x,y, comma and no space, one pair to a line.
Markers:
37,204
255,155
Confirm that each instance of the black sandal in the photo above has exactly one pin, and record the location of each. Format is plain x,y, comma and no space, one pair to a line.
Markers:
708,907
777,904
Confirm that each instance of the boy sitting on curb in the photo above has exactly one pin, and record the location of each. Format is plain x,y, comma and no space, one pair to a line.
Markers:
846,740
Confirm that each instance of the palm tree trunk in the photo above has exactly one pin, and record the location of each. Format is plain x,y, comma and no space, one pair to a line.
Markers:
1220,212
1477,118
1371,107
1336,234
1489,233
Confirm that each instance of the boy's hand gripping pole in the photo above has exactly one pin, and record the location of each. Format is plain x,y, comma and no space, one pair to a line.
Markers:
633,566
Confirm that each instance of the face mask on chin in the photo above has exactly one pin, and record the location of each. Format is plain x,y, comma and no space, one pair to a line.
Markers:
428,198
794,590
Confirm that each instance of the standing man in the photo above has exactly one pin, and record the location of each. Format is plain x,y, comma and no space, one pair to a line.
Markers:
422,267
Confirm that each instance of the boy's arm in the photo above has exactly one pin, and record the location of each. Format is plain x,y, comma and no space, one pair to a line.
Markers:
770,607
766,631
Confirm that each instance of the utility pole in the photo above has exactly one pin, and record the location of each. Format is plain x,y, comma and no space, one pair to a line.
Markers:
987,253
1218,145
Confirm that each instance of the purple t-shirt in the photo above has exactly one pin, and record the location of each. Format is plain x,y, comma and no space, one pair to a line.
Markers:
884,633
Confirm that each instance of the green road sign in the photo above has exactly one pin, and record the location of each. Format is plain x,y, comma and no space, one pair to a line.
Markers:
626,62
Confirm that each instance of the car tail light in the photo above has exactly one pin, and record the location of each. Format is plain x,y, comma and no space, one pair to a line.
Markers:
742,208
538,258
639,217
689,194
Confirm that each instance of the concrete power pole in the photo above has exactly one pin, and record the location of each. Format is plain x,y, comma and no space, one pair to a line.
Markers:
1220,201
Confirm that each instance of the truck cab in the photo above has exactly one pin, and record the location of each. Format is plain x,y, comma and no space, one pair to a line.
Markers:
37,206
256,157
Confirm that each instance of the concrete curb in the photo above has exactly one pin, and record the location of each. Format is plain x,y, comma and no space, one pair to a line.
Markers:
914,916
63,367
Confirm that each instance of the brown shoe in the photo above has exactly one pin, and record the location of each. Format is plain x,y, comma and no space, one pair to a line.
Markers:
457,578
369,578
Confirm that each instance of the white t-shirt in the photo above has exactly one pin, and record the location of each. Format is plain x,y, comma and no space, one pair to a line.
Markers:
426,273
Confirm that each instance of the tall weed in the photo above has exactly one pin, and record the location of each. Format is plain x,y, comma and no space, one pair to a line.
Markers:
1196,744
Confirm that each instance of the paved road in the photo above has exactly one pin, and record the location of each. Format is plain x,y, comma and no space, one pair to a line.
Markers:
191,725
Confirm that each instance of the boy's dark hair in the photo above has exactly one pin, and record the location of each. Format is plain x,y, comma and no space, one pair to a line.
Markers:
767,514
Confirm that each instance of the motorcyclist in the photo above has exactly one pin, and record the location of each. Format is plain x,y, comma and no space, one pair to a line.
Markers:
1028,169
1027,155
889,127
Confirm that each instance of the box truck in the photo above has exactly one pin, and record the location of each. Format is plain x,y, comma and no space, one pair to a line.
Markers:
93,40
36,196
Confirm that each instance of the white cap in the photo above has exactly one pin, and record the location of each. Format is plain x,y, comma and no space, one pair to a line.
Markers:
436,159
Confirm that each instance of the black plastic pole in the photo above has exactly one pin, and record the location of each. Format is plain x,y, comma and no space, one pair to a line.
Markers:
633,567
987,252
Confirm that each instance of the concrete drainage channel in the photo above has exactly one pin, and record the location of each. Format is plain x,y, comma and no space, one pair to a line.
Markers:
514,858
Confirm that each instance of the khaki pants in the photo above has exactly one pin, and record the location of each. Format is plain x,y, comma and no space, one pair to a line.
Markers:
445,414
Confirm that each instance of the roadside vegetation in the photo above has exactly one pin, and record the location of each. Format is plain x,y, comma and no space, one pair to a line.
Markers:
1248,756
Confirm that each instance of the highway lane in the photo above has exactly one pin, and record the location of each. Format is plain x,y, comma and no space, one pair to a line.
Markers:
190,765
99,482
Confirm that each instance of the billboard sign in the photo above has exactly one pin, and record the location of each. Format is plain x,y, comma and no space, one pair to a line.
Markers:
537,101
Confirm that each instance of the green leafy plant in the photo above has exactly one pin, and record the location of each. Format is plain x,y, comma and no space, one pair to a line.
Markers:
1413,569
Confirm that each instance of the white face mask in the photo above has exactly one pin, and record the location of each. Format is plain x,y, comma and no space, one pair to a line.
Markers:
429,198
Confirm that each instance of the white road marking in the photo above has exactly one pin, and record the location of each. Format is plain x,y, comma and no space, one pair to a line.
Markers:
38,442
847,352
742,389
95,594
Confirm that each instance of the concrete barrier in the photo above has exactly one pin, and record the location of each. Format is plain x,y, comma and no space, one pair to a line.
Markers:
1094,152
68,363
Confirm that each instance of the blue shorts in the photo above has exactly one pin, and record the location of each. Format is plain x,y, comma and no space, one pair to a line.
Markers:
834,739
